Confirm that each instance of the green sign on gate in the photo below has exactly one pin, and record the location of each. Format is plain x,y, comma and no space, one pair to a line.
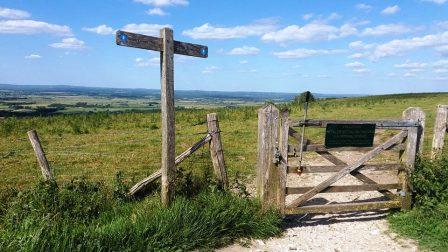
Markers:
349,135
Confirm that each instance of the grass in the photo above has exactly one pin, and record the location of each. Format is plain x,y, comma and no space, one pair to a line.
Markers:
86,216
427,222
99,145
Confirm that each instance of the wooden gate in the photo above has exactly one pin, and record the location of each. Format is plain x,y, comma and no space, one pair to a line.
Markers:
275,128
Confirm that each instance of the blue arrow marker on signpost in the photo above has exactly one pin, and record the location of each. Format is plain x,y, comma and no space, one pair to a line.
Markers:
123,38
203,51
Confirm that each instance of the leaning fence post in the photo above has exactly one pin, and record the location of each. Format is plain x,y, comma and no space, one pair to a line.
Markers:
413,146
40,154
440,129
216,151
268,177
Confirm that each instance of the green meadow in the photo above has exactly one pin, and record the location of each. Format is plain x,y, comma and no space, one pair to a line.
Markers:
96,157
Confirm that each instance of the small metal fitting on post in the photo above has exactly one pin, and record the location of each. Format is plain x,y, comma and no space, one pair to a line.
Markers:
277,155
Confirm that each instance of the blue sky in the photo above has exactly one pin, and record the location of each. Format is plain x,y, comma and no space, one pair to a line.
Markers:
277,46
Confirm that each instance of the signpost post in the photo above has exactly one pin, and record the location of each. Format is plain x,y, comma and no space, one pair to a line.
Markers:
167,47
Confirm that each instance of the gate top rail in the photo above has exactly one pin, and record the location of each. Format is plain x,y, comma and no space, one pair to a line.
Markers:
380,124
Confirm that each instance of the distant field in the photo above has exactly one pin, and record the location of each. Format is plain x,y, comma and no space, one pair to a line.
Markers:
100,144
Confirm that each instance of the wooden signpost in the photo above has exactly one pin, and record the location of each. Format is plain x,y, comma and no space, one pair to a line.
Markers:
167,48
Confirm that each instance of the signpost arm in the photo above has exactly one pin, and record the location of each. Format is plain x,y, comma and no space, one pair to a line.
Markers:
167,105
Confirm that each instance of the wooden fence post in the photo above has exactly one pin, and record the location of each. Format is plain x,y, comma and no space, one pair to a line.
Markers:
40,154
283,167
168,123
440,129
216,151
413,147
268,177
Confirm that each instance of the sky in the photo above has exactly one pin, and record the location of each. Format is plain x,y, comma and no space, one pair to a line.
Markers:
338,47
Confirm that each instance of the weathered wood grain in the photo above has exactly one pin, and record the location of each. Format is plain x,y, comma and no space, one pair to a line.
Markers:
344,207
413,146
267,171
440,129
283,165
142,184
168,122
355,173
216,151
380,124
347,170
336,168
345,188
40,154
130,39
320,147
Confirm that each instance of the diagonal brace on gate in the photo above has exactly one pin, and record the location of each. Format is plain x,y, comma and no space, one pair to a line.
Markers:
352,167
336,161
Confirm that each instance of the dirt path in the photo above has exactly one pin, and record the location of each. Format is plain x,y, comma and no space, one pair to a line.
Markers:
355,231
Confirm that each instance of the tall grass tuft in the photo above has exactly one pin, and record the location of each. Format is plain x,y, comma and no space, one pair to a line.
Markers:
86,216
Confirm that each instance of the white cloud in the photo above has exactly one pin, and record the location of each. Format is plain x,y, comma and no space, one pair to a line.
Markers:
33,56
359,45
443,50
307,16
101,29
442,25
409,74
13,13
390,10
411,65
152,62
248,71
161,3
399,46
207,31
305,53
210,69
386,29
245,50
441,70
362,70
147,29
309,32
156,12
29,27
244,62
436,1
355,64
358,55
441,63
363,6
69,43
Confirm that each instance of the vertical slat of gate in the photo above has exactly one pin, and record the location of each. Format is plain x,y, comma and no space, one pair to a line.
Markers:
413,146
283,166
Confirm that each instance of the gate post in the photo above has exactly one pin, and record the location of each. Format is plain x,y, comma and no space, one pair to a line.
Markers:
283,165
414,146
440,128
268,177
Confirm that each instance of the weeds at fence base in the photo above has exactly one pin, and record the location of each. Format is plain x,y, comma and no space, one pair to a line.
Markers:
428,221
82,215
